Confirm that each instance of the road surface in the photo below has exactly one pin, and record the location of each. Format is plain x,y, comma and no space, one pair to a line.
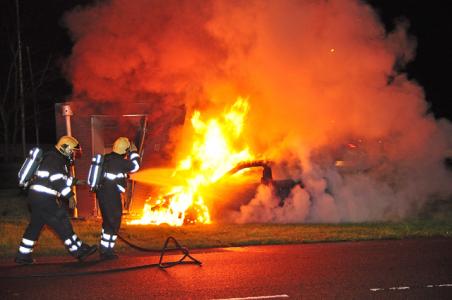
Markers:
414,269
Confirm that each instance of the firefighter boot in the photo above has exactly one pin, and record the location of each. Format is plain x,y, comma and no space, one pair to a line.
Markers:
23,256
78,249
107,243
107,253
23,259
84,251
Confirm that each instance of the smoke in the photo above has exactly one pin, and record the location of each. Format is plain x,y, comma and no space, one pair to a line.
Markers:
318,75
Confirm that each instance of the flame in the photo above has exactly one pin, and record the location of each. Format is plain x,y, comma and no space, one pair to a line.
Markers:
215,151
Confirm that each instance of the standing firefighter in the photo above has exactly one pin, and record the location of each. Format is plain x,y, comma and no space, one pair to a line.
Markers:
115,168
50,185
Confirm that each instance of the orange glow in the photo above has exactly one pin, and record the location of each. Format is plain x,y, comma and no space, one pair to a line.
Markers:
212,154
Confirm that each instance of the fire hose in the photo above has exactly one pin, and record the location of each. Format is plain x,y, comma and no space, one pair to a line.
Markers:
162,251
160,264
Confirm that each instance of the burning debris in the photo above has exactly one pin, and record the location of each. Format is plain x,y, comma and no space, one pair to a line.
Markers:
314,72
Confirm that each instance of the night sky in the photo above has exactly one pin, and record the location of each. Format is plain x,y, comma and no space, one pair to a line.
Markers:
431,24
48,41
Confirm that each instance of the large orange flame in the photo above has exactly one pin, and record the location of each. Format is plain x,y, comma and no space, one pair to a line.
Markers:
214,152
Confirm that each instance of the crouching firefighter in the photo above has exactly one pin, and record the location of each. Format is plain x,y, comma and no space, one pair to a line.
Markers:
50,185
117,164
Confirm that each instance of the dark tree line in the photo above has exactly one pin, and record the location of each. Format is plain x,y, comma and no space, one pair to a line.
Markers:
33,46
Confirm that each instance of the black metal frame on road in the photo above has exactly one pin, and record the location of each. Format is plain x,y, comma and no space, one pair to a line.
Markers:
160,264
165,249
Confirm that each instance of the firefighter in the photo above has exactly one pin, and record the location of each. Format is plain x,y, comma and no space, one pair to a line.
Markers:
122,160
52,184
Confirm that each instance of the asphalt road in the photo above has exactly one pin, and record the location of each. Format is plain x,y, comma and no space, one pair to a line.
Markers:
413,269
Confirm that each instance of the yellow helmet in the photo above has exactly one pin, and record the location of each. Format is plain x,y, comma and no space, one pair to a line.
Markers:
121,145
67,145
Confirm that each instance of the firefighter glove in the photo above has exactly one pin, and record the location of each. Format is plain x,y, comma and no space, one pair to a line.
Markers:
133,148
72,203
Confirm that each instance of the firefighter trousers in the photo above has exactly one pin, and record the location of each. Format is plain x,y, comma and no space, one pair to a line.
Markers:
111,209
46,211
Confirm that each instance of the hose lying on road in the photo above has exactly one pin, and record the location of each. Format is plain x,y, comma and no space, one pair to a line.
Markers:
160,264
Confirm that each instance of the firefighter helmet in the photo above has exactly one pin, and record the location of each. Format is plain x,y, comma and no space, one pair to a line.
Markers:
68,146
121,145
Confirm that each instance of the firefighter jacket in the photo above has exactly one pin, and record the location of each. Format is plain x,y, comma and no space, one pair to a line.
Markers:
116,168
52,176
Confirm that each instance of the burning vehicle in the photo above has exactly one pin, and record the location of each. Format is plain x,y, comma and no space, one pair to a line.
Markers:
218,174
240,185
236,188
